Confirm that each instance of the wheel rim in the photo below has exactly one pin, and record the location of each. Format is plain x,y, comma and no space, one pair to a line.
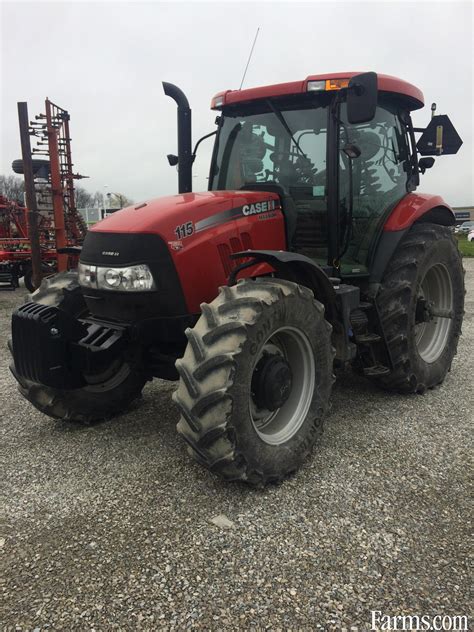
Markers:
279,426
108,379
431,337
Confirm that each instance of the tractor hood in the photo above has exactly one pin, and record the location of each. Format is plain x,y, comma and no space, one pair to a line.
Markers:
177,217
186,240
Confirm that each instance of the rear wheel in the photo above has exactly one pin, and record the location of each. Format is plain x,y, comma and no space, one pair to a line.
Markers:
255,380
421,304
106,394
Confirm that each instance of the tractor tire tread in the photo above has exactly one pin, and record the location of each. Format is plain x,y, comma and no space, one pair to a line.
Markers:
208,369
393,301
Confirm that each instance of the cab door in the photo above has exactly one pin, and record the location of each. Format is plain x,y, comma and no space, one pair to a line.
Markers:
379,177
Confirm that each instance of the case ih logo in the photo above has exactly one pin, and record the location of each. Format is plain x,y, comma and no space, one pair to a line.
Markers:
175,245
258,207
110,253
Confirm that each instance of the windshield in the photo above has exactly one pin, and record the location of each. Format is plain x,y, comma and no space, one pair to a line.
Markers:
270,144
286,147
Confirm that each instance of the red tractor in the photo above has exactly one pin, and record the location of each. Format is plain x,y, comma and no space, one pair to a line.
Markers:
310,251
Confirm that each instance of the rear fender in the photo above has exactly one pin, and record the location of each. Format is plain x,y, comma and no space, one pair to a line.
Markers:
416,207
413,209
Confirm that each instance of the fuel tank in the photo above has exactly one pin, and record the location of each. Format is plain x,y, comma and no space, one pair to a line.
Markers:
190,238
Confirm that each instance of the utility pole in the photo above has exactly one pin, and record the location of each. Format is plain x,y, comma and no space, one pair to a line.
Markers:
30,193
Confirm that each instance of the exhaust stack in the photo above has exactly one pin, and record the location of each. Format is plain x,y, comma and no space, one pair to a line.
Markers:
185,160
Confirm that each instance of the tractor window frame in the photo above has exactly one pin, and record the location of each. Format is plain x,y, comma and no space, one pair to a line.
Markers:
413,169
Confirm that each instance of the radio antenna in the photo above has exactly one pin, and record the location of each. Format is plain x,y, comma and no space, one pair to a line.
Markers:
250,57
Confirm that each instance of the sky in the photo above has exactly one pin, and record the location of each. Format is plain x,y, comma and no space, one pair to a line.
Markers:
104,62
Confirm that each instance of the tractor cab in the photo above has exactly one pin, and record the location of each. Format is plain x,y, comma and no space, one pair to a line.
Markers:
338,149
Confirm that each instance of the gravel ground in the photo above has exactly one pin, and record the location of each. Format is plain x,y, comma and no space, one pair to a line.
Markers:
110,527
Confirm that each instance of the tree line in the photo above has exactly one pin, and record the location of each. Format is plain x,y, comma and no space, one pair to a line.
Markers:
13,188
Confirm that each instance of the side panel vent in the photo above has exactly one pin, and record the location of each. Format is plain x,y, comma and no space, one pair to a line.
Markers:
235,245
224,253
246,241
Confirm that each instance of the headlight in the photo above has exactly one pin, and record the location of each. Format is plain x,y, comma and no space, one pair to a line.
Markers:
127,279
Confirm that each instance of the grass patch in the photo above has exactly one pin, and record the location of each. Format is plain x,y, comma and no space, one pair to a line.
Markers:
466,247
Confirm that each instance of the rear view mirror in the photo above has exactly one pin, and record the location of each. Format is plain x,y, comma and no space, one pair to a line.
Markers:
362,98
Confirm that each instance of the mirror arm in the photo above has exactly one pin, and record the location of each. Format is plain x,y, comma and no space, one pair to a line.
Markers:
193,155
414,179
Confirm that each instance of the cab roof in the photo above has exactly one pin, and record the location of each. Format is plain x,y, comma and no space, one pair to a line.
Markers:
412,95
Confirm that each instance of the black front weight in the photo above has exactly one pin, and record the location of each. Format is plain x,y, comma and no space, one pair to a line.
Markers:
54,348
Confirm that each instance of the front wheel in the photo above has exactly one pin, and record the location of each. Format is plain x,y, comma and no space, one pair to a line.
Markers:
103,396
421,303
256,379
